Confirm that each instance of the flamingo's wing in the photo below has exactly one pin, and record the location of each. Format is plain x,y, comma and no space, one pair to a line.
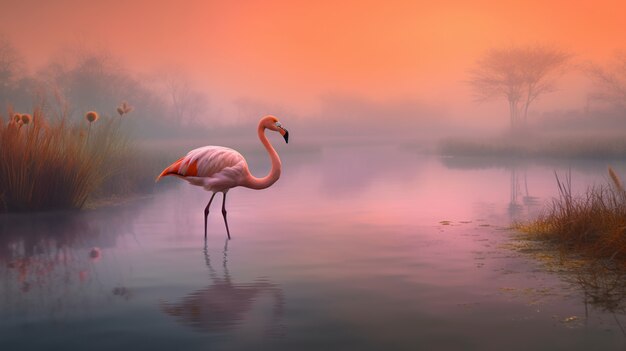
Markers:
204,162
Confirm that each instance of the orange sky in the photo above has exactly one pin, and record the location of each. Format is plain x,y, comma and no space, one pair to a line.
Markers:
290,52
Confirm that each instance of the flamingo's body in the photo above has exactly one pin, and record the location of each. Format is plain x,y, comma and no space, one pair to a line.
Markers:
215,168
218,169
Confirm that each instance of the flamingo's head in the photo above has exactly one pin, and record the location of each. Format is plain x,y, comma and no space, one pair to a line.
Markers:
272,123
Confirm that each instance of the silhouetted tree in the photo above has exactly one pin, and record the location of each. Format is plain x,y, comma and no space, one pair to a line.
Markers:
91,81
80,80
88,80
519,74
15,86
186,103
610,82
11,63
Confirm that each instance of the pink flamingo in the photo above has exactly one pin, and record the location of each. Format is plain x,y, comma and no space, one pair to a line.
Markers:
218,169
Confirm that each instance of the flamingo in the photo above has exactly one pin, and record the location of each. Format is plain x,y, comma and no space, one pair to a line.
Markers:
219,169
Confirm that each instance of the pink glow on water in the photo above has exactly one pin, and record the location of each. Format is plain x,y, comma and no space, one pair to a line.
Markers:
365,240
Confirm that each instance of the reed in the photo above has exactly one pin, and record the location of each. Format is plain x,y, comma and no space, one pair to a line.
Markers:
592,224
50,164
617,182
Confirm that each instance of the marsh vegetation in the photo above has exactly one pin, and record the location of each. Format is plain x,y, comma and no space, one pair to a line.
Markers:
52,162
592,224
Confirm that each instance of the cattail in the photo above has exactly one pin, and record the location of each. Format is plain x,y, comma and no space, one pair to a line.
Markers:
26,118
124,108
91,116
616,180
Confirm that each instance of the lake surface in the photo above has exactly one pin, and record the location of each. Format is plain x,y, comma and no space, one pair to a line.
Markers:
355,247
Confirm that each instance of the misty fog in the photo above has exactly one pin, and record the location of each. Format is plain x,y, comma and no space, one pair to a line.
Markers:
378,96
422,144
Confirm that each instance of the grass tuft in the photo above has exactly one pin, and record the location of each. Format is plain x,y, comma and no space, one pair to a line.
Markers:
616,180
592,224
48,164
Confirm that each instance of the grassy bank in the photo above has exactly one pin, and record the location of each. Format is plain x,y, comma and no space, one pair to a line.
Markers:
584,237
51,164
592,224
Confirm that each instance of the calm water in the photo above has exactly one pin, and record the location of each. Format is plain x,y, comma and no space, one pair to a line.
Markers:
363,248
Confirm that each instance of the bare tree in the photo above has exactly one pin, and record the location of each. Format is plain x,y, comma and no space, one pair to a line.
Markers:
187,104
520,75
90,81
610,82
11,62
11,70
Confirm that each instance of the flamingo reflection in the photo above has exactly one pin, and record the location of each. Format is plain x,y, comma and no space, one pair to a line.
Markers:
224,305
528,203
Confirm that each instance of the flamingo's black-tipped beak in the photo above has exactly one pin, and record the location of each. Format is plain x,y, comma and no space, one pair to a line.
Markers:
284,133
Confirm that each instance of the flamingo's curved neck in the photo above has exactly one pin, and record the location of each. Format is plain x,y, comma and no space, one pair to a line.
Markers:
262,183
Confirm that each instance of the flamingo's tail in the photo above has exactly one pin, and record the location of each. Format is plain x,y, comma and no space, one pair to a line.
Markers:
172,169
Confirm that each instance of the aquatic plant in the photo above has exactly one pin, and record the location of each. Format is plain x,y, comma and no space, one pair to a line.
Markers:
616,180
592,224
124,108
25,118
49,165
91,117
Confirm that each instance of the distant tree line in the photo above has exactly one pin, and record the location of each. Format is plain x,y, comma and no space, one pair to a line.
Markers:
610,81
165,104
521,75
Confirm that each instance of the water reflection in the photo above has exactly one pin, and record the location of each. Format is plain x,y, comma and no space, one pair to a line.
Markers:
47,260
351,235
347,171
225,305
521,203
603,287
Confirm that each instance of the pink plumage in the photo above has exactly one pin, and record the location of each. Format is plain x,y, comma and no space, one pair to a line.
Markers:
218,169
215,168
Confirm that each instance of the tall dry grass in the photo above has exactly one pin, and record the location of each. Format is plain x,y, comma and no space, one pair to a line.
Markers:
51,164
592,224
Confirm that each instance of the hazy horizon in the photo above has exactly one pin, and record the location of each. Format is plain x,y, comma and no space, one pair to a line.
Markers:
300,61
427,142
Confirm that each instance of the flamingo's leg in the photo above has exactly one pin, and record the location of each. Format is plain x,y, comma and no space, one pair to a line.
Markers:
224,214
206,213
